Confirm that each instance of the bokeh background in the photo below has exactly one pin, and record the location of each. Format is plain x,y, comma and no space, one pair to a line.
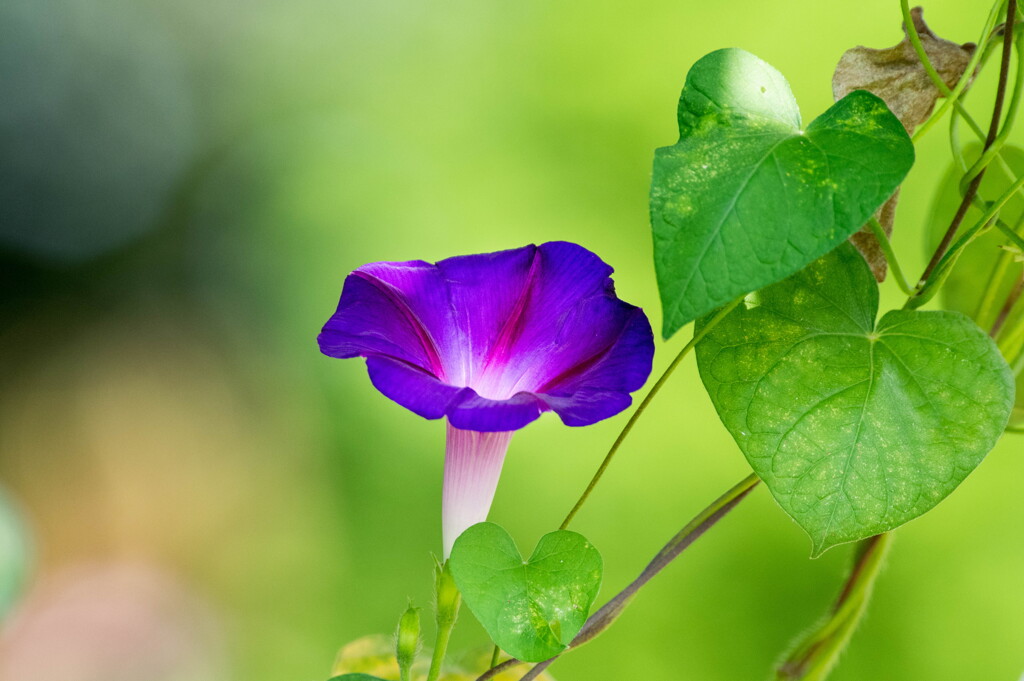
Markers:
191,492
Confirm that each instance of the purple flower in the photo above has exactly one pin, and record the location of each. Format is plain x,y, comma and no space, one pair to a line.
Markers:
491,341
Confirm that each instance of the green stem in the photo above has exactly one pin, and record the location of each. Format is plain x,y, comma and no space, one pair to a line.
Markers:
985,308
960,112
817,652
447,602
1007,126
987,304
988,301
925,291
701,523
953,96
980,56
698,335
997,109
955,146
1011,235
494,656
444,634
915,42
890,255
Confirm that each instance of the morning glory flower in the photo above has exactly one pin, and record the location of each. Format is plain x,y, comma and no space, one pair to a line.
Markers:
490,342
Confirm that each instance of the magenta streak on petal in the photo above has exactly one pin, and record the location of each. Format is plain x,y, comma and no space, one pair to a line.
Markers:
472,466
491,370
396,297
582,367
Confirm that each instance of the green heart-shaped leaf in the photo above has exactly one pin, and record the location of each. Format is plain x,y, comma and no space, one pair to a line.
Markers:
984,273
856,428
746,198
531,608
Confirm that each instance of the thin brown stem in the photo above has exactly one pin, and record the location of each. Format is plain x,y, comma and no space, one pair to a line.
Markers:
993,130
498,669
1004,312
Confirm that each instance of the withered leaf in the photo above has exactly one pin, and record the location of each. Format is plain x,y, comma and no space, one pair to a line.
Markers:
868,245
896,75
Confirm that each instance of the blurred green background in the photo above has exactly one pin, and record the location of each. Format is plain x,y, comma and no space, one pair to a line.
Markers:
183,187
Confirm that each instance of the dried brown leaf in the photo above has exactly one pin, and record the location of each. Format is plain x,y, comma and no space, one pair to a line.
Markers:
896,75
868,245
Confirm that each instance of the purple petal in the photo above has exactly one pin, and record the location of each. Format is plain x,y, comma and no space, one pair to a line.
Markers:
376,316
423,394
483,291
493,340
412,387
472,412
596,390
588,406
577,346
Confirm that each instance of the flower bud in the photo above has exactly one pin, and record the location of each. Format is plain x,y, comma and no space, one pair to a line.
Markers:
407,640
446,597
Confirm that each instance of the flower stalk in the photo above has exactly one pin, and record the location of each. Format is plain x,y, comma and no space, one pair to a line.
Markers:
816,653
447,600
652,393
602,619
